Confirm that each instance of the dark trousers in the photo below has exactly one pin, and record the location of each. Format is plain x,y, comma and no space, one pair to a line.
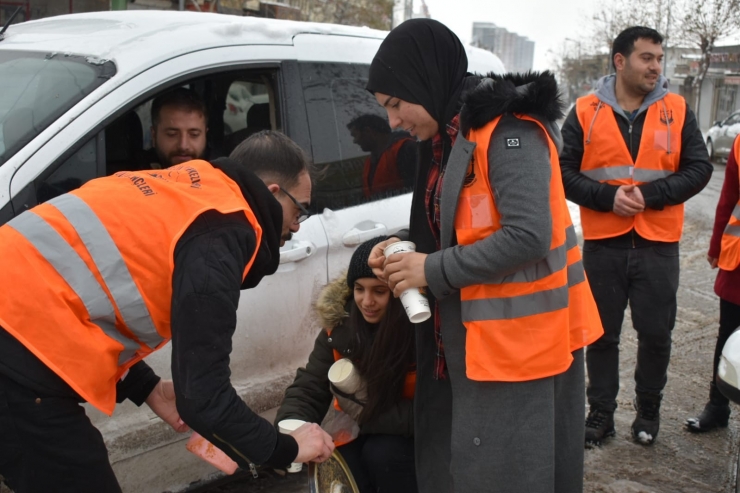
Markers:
729,320
382,463
647,279
49,444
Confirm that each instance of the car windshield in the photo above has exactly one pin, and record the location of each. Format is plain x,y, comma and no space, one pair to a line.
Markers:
37,88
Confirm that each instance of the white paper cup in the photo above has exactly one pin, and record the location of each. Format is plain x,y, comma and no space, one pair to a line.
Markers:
344,376
288,426
415,303
399,247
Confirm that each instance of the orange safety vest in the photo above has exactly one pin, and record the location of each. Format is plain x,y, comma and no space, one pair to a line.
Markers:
729,255
607,159
87,276
386,175
524,325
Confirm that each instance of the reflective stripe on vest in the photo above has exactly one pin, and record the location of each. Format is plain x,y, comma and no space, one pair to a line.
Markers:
729,256
73,269
607,159
109,263
626,173
530,304
522,326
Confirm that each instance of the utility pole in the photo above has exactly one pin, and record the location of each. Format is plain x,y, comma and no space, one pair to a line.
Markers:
667,37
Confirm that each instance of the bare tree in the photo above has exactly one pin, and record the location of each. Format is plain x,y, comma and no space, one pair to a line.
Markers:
377,14
703,23
614,16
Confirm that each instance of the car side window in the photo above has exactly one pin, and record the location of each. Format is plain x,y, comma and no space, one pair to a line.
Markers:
239,103
359,157
250,108
80,167
125,143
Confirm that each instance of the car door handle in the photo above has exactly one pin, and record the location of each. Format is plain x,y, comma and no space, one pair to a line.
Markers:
299,250
363,232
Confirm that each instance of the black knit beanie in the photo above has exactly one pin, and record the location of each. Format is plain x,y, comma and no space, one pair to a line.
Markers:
358,267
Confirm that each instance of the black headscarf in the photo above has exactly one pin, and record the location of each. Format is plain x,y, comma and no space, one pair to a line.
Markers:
421,62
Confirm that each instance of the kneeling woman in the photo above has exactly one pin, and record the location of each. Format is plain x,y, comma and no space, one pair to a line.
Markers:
362,321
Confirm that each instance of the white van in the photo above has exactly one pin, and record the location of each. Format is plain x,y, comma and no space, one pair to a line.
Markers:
74,97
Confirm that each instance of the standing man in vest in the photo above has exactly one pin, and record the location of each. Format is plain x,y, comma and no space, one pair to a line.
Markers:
96,279
724,252
633,155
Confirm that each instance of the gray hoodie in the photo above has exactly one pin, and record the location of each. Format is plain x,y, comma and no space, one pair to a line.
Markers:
605,91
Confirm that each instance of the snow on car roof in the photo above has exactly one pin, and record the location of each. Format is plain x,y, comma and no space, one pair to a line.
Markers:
125,36
137,38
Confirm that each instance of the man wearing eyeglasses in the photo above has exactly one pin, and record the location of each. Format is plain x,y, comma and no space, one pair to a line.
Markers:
107,274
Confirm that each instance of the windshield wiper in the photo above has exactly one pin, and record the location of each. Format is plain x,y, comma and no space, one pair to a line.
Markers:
7,24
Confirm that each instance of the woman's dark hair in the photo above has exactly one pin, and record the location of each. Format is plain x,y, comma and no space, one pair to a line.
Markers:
624,43
384,353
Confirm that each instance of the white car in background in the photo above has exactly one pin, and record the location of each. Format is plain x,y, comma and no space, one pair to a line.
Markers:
721,136
74,97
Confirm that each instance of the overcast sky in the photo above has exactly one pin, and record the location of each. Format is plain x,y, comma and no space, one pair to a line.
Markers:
546,22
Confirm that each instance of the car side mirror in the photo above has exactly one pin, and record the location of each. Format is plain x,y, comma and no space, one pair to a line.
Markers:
717,123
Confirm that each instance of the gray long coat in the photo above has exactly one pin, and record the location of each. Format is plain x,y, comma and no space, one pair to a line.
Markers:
496,436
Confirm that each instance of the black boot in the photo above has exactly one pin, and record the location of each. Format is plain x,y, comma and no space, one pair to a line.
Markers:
716,413
646,425
599,425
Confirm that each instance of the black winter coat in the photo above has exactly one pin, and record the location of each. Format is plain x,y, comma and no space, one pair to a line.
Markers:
309,397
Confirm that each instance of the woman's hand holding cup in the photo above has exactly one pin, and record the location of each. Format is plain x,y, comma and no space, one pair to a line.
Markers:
376,260
404,269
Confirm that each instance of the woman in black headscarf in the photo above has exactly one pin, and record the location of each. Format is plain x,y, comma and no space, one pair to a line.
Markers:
499,401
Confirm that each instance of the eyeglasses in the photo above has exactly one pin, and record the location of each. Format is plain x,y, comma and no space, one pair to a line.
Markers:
305,214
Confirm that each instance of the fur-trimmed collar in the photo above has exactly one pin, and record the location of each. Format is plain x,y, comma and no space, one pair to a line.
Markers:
332,302
531,93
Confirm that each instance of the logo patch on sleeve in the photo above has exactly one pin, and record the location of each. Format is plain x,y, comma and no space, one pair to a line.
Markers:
513,143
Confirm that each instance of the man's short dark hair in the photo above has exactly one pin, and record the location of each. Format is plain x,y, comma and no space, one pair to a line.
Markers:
272,156
181,98
373,122
624,43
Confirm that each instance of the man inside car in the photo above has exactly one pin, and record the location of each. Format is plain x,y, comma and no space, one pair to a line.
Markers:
179,127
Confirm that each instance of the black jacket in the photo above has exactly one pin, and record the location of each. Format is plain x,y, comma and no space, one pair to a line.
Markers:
309,397
692,176
209,260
